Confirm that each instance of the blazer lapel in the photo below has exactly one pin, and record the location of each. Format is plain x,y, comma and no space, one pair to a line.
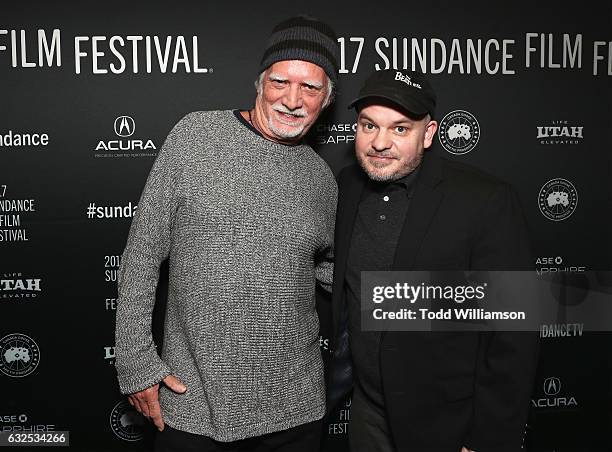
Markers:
427,197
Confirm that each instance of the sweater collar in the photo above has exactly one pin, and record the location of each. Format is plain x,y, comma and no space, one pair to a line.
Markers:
250,126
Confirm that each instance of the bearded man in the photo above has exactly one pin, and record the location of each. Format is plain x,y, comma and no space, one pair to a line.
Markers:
245,211
403,209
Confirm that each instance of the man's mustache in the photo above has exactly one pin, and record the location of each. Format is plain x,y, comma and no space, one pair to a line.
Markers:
381,154
300,112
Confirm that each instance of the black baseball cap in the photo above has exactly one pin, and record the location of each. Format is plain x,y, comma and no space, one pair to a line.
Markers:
410,90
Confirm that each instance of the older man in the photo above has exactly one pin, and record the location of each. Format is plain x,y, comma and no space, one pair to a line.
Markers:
402,209
245,212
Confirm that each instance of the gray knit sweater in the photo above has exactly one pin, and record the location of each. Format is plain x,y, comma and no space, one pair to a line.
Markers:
248,225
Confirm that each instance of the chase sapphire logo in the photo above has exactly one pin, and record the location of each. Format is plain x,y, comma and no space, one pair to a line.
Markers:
459,132
124,126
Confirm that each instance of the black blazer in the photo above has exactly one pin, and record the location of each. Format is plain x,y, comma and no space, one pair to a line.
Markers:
444,390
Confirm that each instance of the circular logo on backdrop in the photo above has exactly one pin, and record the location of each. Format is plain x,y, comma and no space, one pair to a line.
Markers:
124,126
126,422
459,132
558,199
19,355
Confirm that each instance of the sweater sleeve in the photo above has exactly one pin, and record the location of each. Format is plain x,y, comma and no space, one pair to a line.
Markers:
325,259
136,360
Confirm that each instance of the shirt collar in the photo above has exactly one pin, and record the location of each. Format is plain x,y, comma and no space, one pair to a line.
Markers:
406,183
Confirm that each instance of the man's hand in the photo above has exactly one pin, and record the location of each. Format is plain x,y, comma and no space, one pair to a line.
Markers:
146,401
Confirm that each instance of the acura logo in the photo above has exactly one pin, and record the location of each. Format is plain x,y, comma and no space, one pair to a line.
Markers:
124,126
552,386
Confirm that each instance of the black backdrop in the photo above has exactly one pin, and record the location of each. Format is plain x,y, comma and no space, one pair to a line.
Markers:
543,115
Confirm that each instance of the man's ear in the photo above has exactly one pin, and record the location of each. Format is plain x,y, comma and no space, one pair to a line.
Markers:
430,132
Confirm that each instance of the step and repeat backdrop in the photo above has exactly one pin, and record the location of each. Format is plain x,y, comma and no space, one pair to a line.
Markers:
90,91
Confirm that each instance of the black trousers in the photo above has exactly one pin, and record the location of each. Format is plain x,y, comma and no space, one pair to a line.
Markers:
303,438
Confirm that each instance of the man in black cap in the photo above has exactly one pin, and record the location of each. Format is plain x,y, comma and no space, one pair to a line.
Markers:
402,209
245,212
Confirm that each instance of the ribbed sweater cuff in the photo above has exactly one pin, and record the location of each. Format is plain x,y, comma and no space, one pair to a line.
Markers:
137,380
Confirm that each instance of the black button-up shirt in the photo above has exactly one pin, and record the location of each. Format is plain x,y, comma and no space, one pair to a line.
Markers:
380,217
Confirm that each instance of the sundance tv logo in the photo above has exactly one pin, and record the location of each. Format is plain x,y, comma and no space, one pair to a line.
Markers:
125,145
27,140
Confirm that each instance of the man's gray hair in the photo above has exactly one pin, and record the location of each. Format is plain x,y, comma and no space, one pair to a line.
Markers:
329,97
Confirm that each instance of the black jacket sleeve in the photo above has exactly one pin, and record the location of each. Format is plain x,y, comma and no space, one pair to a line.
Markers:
507,360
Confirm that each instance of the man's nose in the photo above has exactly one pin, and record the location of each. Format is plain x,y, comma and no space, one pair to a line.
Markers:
293,97
381,141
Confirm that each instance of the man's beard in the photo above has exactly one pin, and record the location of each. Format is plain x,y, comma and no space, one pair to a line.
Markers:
282,132
380,175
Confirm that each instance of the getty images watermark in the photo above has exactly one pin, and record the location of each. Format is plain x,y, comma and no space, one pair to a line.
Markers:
482,301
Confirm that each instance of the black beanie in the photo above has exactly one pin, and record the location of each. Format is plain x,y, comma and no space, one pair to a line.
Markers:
303,38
